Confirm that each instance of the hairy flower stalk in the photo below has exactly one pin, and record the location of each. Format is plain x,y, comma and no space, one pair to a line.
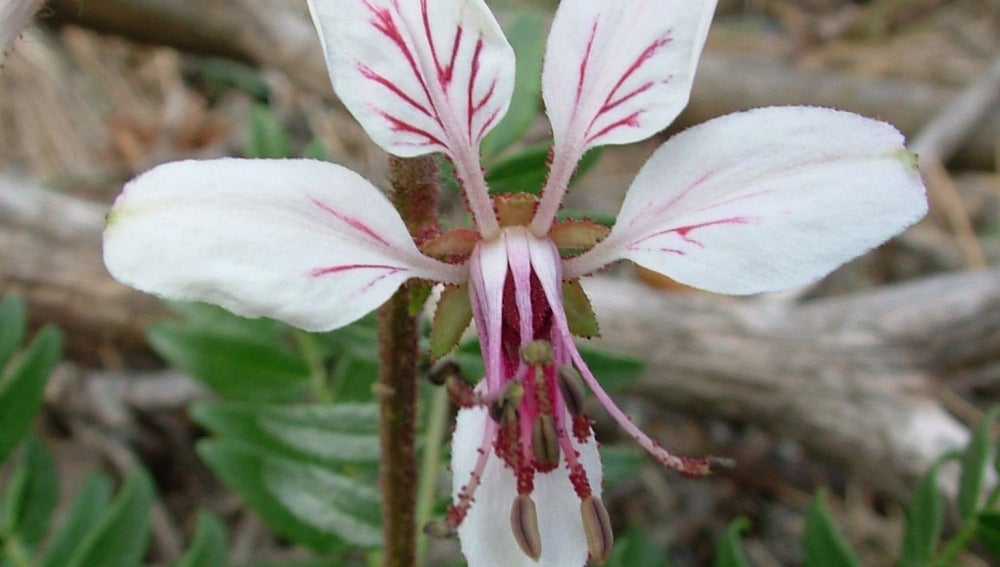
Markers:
752,202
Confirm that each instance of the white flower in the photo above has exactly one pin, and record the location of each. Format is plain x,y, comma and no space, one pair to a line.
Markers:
756,201
14,16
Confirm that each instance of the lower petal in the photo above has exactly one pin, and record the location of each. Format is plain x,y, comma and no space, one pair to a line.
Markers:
485,533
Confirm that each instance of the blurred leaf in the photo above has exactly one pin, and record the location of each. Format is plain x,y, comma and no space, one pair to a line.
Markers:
209,547
316,149
241,368
217,320
355,349
636,549
33,493
302,502
822,544
614,371
924,518
22,385
523,172
222,73
119,537
605,219
620,463
973,464
90,503
988,531
13,322
729,550
344,433
266,135
526,34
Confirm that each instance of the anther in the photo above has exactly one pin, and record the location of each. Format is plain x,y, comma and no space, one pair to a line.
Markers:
524,526
439,529
537,353
597,528
505,406
571,386
545,442
443,371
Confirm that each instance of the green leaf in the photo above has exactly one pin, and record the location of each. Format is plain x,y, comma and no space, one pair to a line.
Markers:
22,387
636,549
266,135
988,531
90,503
119,537
615,371
335,433
305,503
822,544
209,547
620,463
924,518
217,320
13,322
33,493
526,35
973,463
241,368
316,149
729,550
523,172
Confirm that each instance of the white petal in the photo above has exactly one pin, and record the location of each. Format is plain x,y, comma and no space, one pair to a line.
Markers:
307,242
487,274
615,72
765,200
14,16
421,76
618,72
487,540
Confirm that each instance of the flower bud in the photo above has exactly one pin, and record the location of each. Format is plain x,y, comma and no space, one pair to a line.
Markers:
524,525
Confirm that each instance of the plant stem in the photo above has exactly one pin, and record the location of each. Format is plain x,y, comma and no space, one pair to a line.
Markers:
437,422
416,189
317,373
949,555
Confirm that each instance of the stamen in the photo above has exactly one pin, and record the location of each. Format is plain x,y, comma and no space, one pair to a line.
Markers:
597,528
571,387
524,525
537,353
505,406
545,442
443,371
439,529
463,500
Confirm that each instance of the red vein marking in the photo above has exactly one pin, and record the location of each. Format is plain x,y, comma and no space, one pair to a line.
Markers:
318,272
659,210
399,125
632,121
684,231
585,62
351,221
446,72
370,74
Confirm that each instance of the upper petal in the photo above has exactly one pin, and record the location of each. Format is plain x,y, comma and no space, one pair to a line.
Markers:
764,200
618,72
615,73
485,532
14,16
421,76
307,242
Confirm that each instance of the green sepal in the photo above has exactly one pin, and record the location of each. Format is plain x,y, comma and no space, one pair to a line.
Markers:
579,313
451,318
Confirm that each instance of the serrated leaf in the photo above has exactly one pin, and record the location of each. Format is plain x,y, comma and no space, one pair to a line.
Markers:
451,317
33,493
90,503
209,547
988,531
249,471
241,368
335,433
579,313
23,385
526,35
924,518
615,371
13,322
973,463
636,549
266,135
119,537
729,550
822,544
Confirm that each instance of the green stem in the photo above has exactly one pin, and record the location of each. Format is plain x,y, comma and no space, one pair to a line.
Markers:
437,423
317,372
949,555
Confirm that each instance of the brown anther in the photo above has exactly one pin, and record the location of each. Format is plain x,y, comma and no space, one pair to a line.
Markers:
439,529
545,442
571,387
524,526
505,406
597,528
537,353
445,370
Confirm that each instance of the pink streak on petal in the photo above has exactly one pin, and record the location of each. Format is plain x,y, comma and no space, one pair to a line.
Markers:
369,73
584,64
685,231
352,222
